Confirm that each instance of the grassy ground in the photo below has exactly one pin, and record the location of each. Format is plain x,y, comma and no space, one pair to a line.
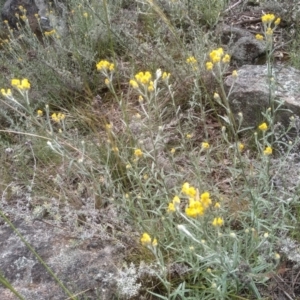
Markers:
121,109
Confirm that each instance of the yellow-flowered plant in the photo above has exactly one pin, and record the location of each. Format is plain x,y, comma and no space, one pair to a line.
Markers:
197,205
263,127
6,93
144,79
147,241
104,65
58,117
107,69
267,18
22,85
267,21
216,57
218,222
259,37
138,153
268,150
205,145
174,204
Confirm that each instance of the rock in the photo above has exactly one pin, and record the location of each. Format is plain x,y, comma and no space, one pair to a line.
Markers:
243,47
247,50
89,265
250,93
230,35
29,8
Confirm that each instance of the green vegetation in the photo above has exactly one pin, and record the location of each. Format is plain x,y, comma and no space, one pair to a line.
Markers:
124,105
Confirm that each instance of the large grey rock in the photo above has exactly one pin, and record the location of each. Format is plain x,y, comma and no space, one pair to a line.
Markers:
89,266
251,92
11,9
242,45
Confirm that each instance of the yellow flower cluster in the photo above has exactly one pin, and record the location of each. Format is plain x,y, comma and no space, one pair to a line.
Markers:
268,18
6,93
205,145
23,84
268,151
58,117
147,241
241,146
174,204
191,60
197,205
259,37
143,78
104,65
263,127
138,153
39,113
217,56
218,222
267,21
165,76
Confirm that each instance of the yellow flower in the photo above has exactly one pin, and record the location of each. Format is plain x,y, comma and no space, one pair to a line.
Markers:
85,14
176,200
154,242
241,147
188,190
194,209
216,96
226,58
268,18
263,127
217,205
171,207
269,31
277,21
133,83
205,199
15,82
234,74
143,77
191,60
106,81
25,85
58,117
151,86
138,152
276,256
6,93
173,150
218,222
104,65
108,126
268,151
259,37
21,84
209,65
216,55
174,204
146,239
165,76
205,145
39,113
189,136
